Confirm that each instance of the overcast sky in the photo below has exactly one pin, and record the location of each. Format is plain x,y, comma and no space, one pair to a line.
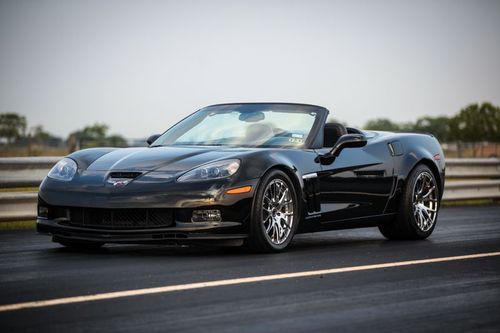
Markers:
139,66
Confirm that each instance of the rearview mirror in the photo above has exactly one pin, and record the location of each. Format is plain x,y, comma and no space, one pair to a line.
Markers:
152,138
252,117
345,141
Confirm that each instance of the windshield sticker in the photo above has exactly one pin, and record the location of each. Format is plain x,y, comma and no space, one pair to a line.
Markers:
296,141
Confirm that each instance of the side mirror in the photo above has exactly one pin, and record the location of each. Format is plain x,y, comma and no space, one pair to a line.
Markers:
345,141
152,138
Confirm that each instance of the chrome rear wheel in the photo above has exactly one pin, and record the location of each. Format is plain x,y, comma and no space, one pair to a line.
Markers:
418,207
425,202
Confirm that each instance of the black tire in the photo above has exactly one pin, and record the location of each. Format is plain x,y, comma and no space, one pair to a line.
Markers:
406,224
259,240
79,245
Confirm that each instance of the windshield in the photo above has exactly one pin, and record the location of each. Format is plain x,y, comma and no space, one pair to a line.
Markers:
244,125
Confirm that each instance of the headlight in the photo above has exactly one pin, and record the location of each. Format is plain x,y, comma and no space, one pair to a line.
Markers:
211,171
64,170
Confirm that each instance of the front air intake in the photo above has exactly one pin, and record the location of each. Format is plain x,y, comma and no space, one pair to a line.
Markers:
124,218
128,175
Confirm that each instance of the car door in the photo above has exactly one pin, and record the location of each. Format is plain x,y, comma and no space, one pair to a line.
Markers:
358,183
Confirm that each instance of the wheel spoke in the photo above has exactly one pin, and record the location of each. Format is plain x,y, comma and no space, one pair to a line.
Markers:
431,190
425,214
269,220
282,196
283,204
419,218
422,187
284,221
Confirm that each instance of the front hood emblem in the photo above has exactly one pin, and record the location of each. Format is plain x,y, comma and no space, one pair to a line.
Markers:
118,182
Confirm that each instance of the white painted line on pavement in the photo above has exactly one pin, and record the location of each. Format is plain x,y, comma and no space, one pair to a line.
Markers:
218,283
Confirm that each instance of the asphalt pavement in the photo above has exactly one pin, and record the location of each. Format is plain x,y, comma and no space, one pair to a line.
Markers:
442,295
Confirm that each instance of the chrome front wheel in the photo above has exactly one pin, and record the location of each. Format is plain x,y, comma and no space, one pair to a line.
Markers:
277,211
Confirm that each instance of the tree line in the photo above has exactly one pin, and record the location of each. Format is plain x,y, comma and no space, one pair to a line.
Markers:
14,132
474,123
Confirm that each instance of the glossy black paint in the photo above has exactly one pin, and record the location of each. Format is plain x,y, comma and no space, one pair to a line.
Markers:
360,187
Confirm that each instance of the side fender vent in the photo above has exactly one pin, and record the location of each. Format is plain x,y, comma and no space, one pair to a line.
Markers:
312,191
396,148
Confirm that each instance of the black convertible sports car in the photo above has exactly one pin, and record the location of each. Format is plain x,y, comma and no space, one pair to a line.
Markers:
248,173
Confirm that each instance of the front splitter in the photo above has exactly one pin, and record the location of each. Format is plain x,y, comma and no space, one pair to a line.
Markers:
140,236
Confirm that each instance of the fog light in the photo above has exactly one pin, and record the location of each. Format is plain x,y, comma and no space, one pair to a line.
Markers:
212,215
43,211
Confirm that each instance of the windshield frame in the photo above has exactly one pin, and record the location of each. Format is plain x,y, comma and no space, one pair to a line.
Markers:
311,140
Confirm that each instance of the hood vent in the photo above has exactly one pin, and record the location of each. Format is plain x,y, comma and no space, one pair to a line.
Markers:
129,175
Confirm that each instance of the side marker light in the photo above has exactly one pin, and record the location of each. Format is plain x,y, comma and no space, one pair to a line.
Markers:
239,190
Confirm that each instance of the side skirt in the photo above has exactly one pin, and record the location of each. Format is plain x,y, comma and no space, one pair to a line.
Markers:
359,222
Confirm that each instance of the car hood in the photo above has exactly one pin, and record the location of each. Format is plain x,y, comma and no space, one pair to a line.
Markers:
168,159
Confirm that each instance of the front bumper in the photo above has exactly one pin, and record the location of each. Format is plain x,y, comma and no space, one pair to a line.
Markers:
180,233
71,210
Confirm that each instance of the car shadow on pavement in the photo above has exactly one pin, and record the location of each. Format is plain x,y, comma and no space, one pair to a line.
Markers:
305,243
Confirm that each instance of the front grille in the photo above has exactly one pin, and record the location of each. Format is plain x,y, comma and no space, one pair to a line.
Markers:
127,218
